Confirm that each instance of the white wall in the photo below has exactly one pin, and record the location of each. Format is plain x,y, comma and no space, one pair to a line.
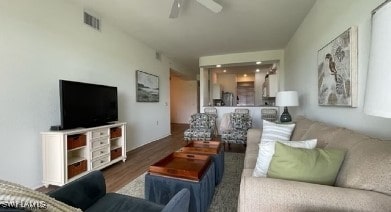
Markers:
183,99
327,20
43,41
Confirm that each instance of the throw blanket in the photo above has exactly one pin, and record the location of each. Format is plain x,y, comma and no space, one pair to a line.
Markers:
15,195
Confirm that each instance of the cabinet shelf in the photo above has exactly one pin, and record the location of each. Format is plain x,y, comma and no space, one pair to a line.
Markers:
74,160
116,146
77,148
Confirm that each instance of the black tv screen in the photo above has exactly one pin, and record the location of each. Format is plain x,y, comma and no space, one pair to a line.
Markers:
87,105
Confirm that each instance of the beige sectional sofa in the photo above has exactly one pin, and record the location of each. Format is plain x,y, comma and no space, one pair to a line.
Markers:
363,182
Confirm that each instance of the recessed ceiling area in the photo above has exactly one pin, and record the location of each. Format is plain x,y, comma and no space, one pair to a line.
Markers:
241,26
244,68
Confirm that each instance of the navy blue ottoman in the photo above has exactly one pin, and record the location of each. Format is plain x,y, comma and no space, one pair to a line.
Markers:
161,189
219,165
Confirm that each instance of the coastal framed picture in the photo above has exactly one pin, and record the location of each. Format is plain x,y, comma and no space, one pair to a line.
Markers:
147,87
337,71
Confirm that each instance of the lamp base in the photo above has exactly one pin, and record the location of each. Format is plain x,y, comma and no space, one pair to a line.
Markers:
285,116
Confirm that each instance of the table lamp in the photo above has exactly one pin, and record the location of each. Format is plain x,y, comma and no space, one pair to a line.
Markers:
287,99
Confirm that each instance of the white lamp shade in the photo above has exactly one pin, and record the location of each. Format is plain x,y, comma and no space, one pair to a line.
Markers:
287,98
378,88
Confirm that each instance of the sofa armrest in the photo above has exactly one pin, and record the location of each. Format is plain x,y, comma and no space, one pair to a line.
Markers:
179,202
267,194
254,136
83,192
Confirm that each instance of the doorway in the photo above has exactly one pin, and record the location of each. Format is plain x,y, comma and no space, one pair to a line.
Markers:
184,98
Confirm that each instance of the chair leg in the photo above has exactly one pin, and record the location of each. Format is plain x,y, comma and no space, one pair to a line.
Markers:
229,146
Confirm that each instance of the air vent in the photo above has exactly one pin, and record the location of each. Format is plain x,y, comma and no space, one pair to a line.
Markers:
157,55
91,21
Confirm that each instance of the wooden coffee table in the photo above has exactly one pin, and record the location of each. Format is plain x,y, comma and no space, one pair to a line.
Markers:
202,147
211,148
181,165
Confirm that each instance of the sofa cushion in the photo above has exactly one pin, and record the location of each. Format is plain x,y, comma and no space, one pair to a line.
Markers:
302,126
323,132
266,152
367,166
276,132
268,194
319,166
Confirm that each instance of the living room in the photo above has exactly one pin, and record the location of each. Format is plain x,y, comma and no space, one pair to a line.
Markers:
43,41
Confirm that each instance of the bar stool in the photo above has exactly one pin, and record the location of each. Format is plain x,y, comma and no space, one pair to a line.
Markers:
269,114
242,110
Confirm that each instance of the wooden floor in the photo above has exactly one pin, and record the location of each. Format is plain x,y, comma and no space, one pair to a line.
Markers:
138,160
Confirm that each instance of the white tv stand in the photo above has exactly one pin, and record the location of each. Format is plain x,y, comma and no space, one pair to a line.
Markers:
70,154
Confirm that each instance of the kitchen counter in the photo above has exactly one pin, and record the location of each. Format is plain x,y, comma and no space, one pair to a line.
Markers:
255,113
245,106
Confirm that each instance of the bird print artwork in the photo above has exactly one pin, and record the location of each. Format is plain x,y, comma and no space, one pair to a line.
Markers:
334,74
332,65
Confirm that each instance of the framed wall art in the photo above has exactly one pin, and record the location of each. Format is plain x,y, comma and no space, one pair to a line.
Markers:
337,71
147,89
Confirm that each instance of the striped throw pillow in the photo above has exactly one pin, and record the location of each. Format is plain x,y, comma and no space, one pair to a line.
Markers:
271,133
276,132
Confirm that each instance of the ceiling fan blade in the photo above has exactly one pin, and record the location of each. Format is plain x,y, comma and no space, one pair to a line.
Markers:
212,5
176,6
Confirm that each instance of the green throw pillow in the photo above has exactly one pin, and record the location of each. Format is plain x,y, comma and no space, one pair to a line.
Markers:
319,166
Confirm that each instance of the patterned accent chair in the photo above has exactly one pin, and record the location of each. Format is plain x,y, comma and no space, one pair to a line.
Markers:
202,127
239,124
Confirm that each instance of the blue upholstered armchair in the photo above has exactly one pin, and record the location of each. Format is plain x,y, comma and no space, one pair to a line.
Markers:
202,127
237,134
89,194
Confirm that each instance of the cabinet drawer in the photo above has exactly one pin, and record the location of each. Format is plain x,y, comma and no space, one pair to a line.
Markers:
100,133
115,132
77,168
99,143
74,141
100,161
101,151
115,153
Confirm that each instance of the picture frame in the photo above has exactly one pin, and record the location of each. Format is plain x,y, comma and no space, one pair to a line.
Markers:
147,87
337,71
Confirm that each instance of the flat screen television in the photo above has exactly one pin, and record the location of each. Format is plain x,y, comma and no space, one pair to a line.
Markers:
87,105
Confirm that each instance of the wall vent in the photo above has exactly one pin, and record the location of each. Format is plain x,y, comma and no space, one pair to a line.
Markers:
158,56
91,21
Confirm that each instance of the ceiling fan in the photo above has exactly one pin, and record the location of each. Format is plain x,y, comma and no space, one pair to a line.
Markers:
210,4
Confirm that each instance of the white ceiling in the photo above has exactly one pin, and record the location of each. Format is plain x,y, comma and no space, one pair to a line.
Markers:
242,25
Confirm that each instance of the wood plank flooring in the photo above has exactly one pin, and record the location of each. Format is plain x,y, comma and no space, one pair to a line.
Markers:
138,160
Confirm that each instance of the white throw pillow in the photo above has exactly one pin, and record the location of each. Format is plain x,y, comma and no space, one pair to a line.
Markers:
266,152
276,132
